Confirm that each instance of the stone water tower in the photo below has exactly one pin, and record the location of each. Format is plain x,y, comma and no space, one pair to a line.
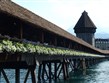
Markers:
85,29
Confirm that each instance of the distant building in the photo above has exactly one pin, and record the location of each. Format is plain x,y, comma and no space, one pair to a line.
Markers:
85,29
102,44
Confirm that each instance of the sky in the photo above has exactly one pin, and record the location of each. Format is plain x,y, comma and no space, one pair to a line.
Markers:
66,13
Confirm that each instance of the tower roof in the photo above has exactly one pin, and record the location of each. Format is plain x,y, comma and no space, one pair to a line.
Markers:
85,21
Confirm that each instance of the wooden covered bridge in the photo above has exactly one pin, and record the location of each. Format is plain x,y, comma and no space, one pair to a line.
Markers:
27,40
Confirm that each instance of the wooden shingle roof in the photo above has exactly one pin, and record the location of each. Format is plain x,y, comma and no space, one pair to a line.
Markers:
85,21
9,7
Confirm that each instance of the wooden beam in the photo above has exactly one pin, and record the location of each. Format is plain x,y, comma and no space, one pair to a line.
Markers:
70,45
55,71
17,75
43,70
21,31
59,70
83,63
4,75
39,71
55,41
75,64
50,73
42,37
33,76
27,76
64,67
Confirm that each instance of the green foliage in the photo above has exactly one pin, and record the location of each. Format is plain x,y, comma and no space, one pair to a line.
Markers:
8,46
1,47
12,47
20,47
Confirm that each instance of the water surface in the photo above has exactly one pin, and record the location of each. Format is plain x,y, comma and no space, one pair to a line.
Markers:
98,73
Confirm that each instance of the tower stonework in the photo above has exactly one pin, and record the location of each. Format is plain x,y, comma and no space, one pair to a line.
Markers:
85,29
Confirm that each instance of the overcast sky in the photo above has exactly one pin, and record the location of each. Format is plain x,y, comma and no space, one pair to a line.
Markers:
65,13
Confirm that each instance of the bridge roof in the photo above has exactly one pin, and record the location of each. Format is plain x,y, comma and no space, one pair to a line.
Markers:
85,21
10,8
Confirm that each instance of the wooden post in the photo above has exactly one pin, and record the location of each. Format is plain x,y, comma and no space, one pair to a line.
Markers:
55,41
39,71
67,70
70,45
64,70
50,73
64,43
21,31
75,64
83,63
55,71
17,75
42,37
43,70
26,76
33,76
87,63
80,63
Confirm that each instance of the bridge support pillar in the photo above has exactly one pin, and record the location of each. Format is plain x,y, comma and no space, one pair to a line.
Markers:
43,70
75,64
17,75
39,71
65,69
83,64
55,71
50,71
33,76
88,63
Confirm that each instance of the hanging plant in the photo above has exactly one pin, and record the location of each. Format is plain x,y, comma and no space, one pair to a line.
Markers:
13,47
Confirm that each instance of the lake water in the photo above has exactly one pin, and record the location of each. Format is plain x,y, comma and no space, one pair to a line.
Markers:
98,73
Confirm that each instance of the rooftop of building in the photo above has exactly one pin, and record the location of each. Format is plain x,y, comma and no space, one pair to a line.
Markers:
99,39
